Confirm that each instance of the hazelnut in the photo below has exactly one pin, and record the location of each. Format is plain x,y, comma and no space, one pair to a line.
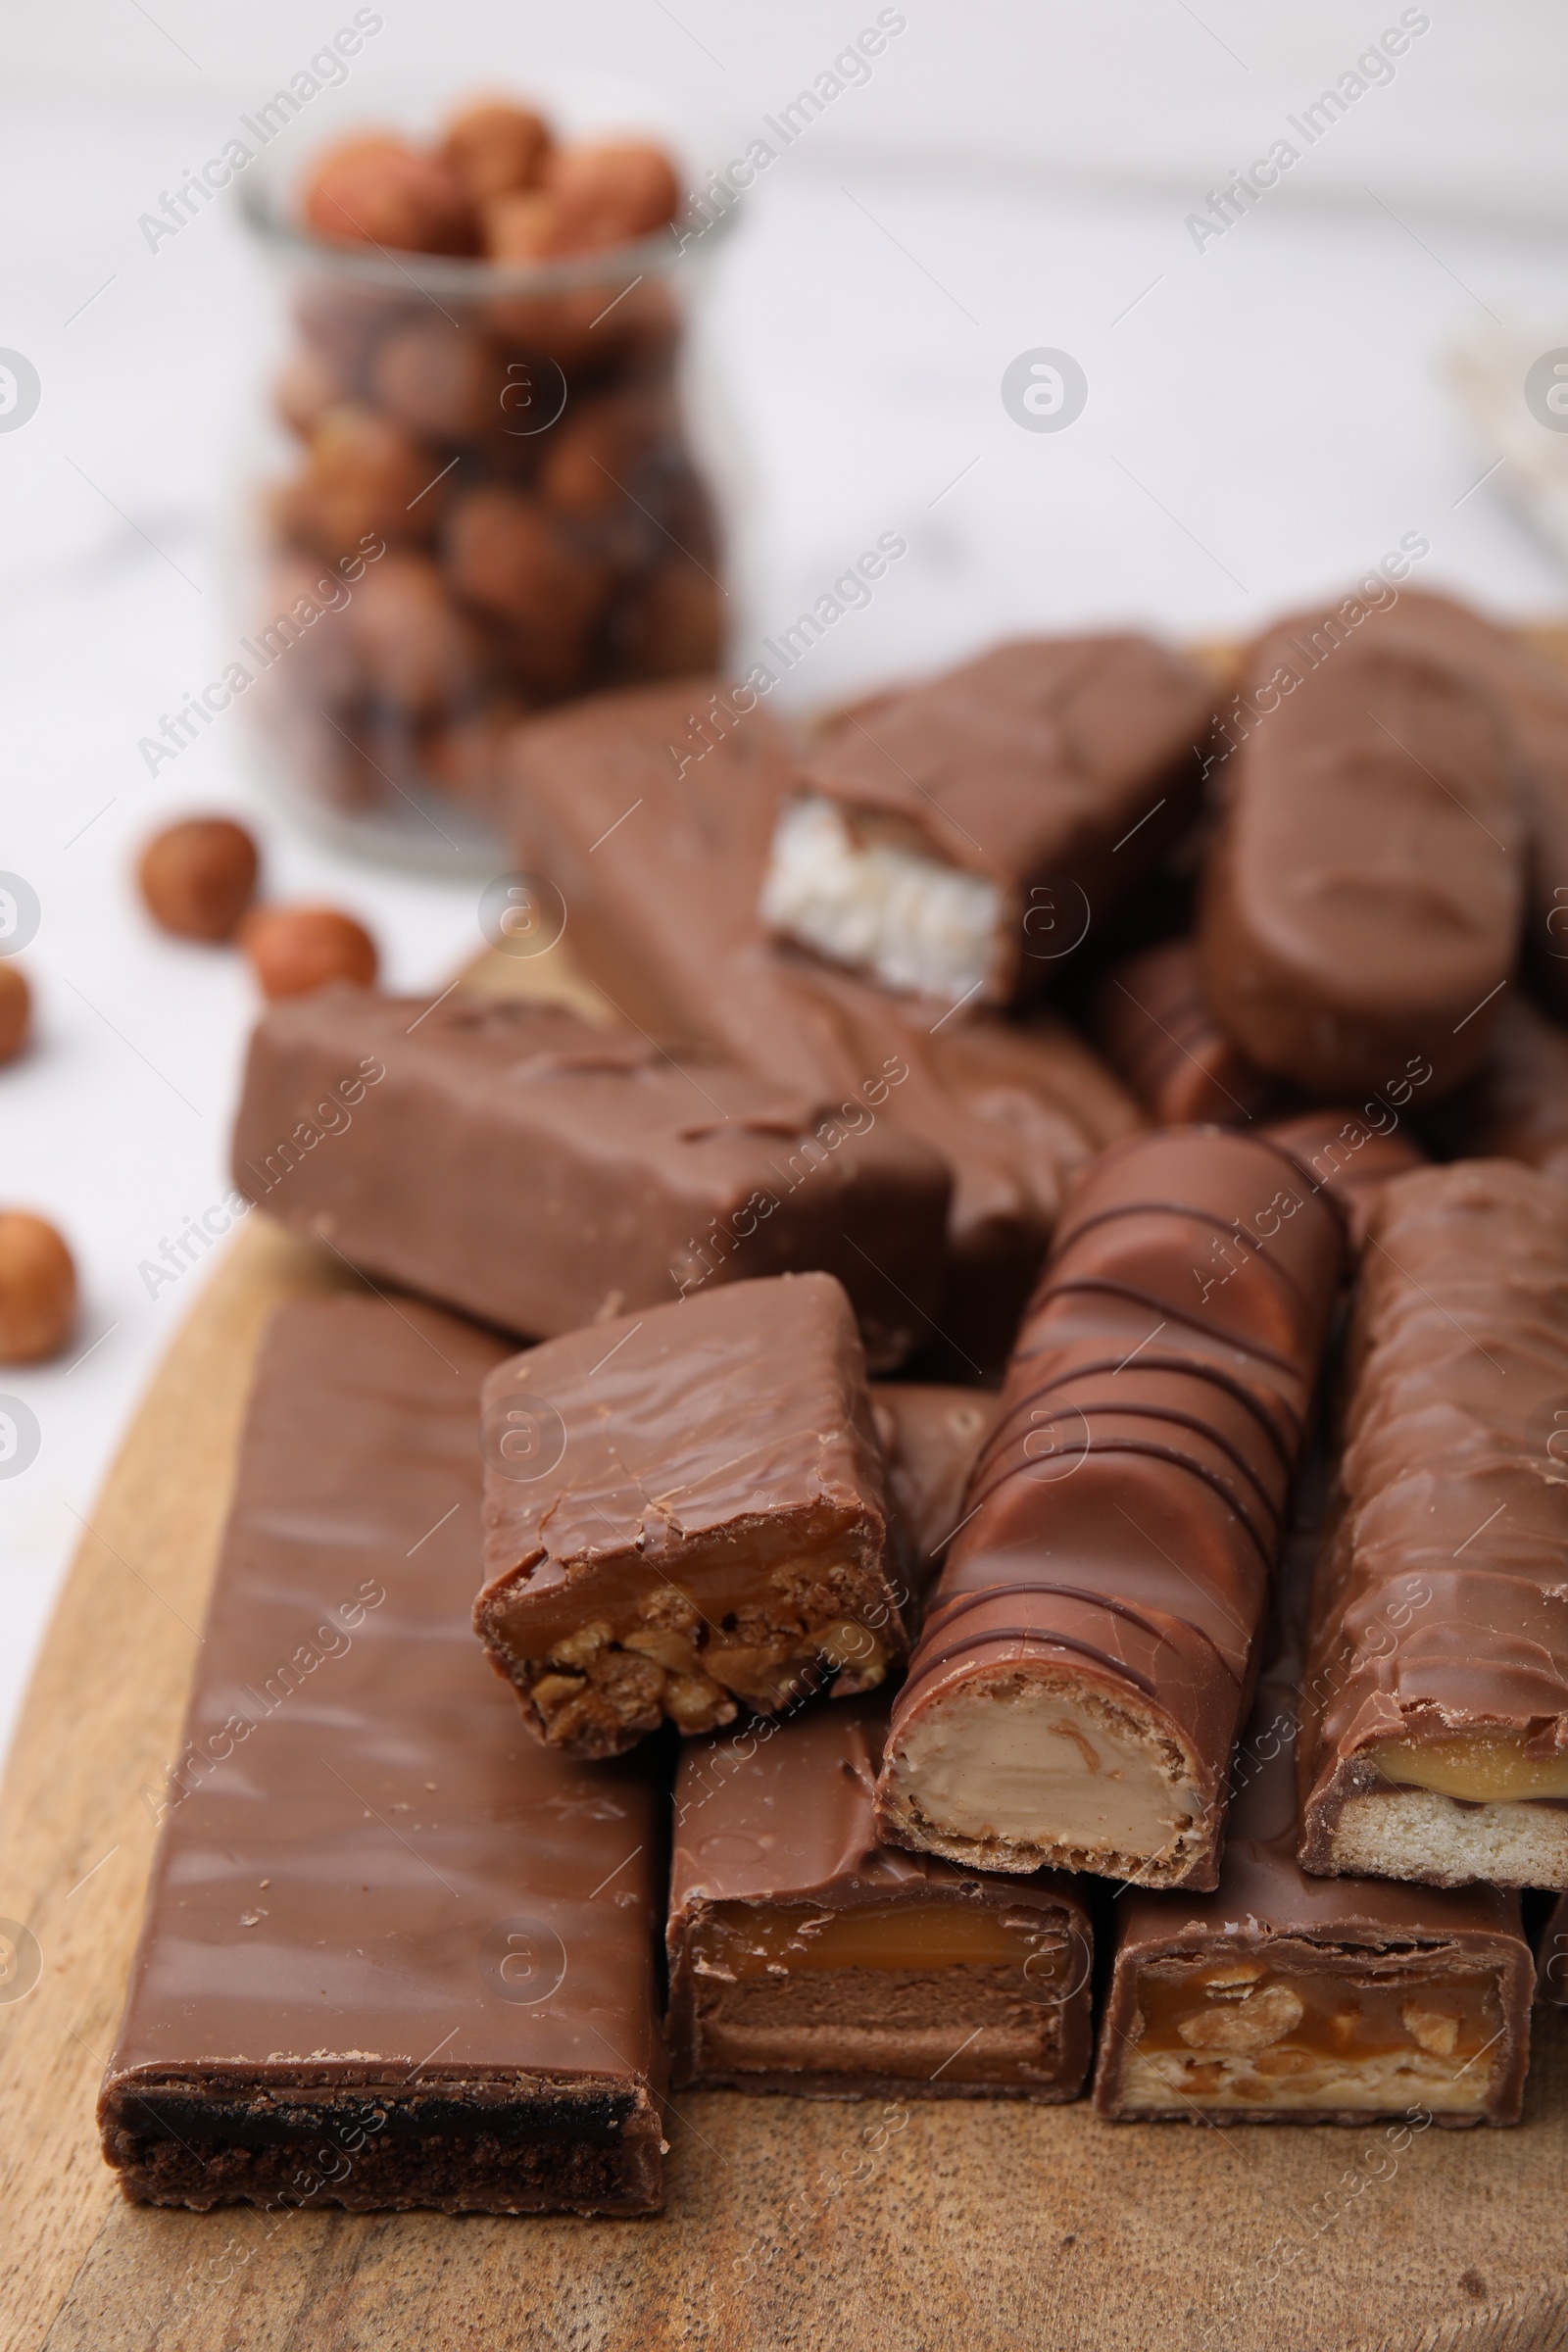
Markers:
416,651
521,227
439,380
198,877
377,190
364,479
306,617
608,195
466,759
493,147
507,555
294,950
590,459
16,1011
306,388
37,1289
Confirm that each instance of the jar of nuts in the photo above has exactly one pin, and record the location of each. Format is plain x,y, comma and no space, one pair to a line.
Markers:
485,499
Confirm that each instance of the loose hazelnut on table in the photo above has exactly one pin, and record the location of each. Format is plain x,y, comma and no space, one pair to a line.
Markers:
293,950
611,194
37,1288
379,191
493,147
198,877
16,1011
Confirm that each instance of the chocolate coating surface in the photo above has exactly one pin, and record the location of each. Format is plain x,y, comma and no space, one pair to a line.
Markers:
1122,1523
685,1511
379,1967
1151,1018
924,1998
1517,1105
1364,897
1437,1743
654,821
515,1162
1056,769
930,1436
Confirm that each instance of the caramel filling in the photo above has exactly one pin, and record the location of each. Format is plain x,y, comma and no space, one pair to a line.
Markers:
1241,2034
1480,1767
740,1940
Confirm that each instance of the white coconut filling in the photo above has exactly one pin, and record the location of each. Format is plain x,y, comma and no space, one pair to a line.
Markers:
919,926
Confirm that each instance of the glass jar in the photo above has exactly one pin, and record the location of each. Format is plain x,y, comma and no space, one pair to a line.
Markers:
480,499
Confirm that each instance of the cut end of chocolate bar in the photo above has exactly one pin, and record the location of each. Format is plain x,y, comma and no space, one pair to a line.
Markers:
977,1772
941,1996
860,895
1329,2029
486,2142
692,1520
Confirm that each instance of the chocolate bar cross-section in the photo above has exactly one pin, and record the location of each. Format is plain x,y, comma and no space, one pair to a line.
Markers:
686,1513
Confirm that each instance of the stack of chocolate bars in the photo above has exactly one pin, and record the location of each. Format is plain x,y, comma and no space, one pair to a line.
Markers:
1196,1592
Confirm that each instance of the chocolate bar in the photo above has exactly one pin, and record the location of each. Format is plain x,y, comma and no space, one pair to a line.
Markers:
651,812
1531,696
510,1160
1151,1020
1442,1755
1349,1155
1551,1956
930,1436
1517,1107
1364,900
1284,1999
686,1515
957,839
395,1953
804,1958
1093,1641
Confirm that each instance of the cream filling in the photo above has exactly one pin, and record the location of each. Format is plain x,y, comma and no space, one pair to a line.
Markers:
918,925
1036,1769
1165,2081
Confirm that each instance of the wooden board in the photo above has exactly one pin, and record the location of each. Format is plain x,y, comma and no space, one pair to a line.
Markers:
939,2228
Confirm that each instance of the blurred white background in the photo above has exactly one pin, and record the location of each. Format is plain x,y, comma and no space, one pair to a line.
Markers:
1264,419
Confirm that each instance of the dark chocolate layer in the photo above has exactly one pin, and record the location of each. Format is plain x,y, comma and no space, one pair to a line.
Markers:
396,1954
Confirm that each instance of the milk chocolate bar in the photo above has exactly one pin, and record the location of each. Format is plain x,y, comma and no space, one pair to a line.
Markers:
651,812
957,839
1364,900
1093,1641
1153,1024
804,1958
1349,1155
930,1435
395,1953
513,1160
1529,693
686,1515
1285,1998
1517,1106
1551,1955
1443,1755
